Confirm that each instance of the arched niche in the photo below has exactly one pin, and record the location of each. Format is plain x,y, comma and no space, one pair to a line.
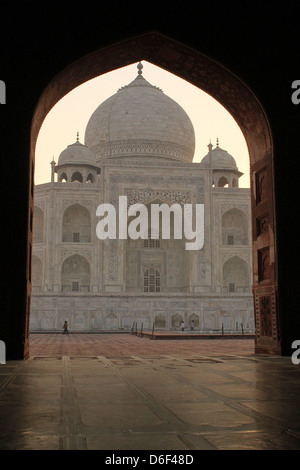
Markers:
75,274
38,225
236,275
77,177
90,178
234,227
63,178
76,224
37,273
223,182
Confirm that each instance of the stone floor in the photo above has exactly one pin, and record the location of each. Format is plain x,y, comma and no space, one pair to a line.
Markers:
121,392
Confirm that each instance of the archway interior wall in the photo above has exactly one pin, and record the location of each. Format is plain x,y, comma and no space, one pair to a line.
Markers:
235,96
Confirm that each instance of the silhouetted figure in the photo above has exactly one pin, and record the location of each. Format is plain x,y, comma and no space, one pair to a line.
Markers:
65,328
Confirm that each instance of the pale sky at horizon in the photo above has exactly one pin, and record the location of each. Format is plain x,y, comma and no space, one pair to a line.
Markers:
71,115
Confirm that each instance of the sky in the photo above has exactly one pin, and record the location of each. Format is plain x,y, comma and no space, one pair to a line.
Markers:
71,115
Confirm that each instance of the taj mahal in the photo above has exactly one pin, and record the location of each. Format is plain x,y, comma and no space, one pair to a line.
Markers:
140,143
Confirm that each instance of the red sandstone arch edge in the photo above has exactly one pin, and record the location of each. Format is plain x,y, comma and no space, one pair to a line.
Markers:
216,80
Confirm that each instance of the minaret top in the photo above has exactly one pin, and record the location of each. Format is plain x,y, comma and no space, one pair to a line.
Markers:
210,146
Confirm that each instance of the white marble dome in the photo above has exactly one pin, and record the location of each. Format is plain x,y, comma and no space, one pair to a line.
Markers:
220,160
76,154
140,120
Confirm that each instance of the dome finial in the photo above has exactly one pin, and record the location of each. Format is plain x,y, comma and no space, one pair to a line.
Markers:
140,66
77,138
217,141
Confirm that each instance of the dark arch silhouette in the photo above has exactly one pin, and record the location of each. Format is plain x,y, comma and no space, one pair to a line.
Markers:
241,103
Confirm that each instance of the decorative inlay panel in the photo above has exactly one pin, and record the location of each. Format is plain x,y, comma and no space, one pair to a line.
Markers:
144,195
265,303
147,147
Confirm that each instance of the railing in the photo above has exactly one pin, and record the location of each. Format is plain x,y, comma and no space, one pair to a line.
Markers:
218,331
134,329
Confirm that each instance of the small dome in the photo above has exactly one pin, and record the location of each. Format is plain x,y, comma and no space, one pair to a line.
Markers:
140,120
219,159
76,154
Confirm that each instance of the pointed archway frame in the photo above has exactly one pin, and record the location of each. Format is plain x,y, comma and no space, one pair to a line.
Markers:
223,85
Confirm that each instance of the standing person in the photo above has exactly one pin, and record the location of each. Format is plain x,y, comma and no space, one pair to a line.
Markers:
65,328
182,326
192,325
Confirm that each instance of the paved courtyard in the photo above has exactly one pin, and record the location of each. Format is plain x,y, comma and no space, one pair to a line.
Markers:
111,345
121,392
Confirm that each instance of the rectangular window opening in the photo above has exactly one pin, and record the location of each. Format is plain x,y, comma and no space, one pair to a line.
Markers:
230,240
75,286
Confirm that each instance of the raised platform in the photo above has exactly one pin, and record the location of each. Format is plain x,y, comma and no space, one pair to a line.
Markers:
191,335
156,335
80,332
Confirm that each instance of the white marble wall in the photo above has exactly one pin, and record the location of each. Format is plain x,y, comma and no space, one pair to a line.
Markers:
111,302
96,313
